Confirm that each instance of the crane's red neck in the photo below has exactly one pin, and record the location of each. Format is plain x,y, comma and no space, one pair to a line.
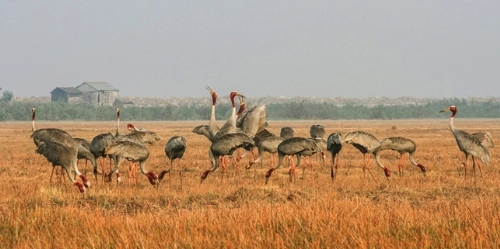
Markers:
214,97
231,96
453,110
243,106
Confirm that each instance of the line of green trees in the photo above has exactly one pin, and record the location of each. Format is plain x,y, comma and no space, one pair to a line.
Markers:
21,111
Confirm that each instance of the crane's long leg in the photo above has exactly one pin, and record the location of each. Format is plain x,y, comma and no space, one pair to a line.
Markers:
273,158
292,170
114,170
465,165
400,165
474,163
367,167
130,172
51,174
258,159
59,175
181,167
334,166
310,166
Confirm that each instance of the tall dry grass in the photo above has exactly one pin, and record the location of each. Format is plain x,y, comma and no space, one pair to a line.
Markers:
236,209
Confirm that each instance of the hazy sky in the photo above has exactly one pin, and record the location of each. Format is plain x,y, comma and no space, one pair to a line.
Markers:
260,48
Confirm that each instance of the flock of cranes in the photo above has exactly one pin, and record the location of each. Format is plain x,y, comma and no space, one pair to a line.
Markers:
245,129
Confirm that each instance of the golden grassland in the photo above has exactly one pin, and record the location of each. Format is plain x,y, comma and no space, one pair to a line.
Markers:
237,210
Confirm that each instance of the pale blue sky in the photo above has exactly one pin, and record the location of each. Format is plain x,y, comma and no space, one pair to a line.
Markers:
260,48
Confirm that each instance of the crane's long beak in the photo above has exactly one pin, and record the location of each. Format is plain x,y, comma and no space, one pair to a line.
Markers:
447,109
242,98
209,89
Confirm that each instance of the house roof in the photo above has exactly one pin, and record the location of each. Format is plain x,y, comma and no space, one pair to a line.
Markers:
96,86
71,90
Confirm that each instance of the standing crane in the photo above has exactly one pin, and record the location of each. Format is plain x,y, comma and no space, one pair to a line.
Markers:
470,145
175,148
402,145
366,143
334,145
133,152
227,145
298,146
47,135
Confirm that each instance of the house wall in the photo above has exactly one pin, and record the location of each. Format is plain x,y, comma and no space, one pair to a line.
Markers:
58,96
100,97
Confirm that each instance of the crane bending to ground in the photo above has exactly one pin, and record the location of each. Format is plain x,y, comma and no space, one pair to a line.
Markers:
133,152
298,146
470,145
402,145
43,137
227,145
366,143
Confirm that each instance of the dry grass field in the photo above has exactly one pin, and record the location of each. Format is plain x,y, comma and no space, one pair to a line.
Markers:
441,210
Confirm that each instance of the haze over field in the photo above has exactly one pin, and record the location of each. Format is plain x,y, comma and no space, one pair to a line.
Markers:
161,49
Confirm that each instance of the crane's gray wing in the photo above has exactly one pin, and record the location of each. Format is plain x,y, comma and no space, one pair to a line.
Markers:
252,120
485,138
130,150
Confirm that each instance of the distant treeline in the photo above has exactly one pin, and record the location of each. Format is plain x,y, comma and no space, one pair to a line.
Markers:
21,111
